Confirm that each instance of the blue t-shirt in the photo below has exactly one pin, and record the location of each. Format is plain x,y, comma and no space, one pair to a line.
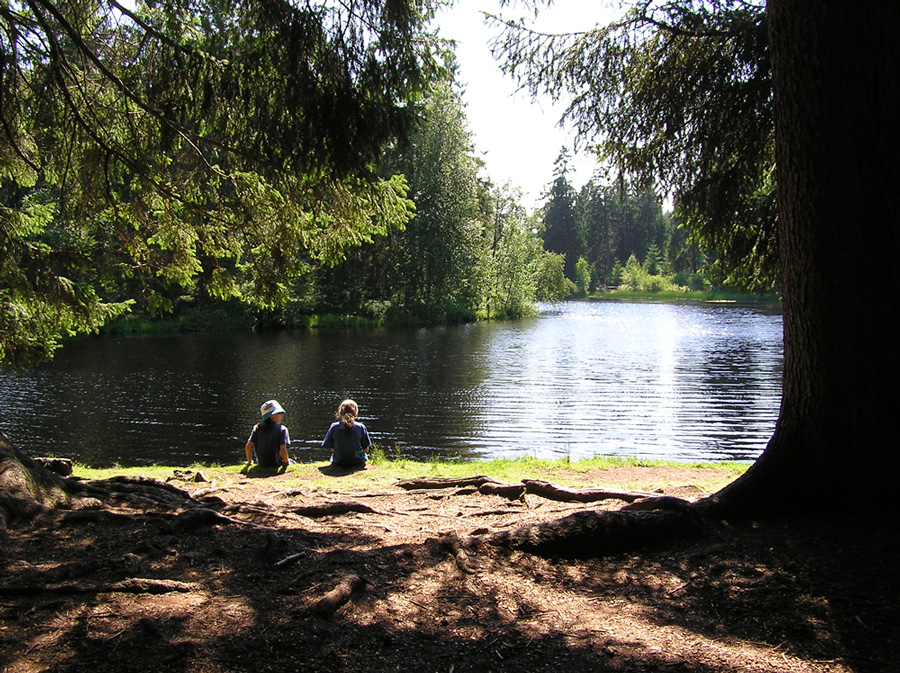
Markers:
268,439
349,444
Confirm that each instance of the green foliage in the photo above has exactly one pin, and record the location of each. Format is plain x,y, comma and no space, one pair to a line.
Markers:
552,284
47,290
469,252
377,455
194,317
618,272
436,256
510,258
654,262
617,223
582,276
219,145
560,233
693,281
635,276
677,94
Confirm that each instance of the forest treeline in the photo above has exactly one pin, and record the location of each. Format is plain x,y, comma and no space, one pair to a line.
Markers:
249,164
469,250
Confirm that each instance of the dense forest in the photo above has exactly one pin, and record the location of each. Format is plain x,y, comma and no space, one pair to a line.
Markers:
471,251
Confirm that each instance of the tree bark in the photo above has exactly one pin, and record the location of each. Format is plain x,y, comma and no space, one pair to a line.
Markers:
835,78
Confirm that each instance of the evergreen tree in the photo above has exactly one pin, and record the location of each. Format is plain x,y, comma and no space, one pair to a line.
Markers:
595,216
677,94
617,222
560,235
148,149
710,125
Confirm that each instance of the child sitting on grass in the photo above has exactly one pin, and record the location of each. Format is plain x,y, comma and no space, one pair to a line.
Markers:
347,438
269,438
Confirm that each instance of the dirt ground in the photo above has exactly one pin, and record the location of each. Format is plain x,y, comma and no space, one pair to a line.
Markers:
130,583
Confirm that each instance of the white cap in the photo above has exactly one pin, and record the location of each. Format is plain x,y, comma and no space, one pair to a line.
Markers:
269,408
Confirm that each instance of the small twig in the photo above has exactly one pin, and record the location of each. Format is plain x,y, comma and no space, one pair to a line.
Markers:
293,558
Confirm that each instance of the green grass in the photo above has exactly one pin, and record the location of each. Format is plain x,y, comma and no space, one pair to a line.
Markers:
383,472
771,300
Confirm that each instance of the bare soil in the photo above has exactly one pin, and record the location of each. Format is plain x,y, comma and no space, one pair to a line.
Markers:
128,582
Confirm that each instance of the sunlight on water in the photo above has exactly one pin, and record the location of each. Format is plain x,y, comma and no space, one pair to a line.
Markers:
648,380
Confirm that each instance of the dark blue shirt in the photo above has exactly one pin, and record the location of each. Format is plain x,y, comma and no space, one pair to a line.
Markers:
268,439
349,444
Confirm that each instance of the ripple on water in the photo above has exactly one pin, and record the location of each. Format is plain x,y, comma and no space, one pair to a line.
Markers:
650,380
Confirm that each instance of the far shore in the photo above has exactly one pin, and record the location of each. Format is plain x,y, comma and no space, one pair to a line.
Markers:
230,316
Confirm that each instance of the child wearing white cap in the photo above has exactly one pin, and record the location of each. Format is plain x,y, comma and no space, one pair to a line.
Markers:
269,438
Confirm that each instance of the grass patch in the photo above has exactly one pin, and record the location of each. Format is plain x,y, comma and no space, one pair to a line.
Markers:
704,296
383,472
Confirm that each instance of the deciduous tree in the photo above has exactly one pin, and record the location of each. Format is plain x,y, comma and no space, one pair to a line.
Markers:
511,257
437,253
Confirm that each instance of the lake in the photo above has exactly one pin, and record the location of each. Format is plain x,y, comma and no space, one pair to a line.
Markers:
654,380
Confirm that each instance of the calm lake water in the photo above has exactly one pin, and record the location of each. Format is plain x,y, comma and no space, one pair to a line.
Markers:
682,382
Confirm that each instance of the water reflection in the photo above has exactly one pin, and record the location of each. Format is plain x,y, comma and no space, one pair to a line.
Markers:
656,380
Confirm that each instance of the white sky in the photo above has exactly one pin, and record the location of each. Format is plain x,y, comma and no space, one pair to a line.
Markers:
518,139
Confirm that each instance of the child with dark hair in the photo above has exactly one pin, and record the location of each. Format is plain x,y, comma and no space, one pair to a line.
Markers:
347,438
269,438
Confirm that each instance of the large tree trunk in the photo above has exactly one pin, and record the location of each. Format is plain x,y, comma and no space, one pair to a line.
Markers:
835,76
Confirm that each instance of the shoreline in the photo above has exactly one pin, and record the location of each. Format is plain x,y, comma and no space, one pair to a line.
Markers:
228,318
383,472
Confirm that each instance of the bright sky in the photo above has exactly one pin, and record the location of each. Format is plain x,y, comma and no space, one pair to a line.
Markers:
518,139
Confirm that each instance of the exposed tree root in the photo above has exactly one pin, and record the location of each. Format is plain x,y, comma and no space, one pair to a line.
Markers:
333,509
337,597
598,533
26,489
668,502
133,585
553,492
451,542
511,491
132,488
61,466
538,487
29,490
201,517
446,482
